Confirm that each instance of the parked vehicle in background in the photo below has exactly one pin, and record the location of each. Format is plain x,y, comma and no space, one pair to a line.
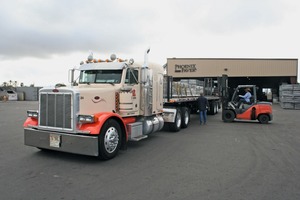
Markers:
12,95
8,94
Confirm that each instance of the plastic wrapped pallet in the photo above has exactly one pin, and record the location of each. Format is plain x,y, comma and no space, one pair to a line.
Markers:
289,95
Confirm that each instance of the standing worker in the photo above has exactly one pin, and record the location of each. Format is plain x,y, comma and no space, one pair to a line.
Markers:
202,104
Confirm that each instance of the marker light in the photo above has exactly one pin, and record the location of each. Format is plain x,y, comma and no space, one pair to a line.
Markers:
33,113
131,61
113,57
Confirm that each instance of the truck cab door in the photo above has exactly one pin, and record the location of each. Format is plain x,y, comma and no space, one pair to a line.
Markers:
130,99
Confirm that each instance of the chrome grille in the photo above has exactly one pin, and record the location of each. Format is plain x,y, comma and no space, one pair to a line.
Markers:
56,110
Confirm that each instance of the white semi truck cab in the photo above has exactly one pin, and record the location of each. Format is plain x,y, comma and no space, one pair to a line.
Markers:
113,102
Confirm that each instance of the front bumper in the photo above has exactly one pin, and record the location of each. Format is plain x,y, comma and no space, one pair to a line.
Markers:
71,143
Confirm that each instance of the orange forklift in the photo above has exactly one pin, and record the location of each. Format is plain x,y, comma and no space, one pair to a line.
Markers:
254,110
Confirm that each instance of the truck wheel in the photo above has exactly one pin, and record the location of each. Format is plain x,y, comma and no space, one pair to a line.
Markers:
109,139
228,115
211,108
263,119
185,117
215,108
175,126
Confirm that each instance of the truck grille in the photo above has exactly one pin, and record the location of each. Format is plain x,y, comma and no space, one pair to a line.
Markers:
56,110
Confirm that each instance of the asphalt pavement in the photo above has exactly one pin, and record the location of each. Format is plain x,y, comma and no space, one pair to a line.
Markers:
240,160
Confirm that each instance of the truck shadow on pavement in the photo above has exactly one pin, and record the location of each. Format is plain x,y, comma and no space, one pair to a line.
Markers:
57,155
70,157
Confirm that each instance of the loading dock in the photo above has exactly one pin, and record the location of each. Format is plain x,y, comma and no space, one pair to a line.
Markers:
265,73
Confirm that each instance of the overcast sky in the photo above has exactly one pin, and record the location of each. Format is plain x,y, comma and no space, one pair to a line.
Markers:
40,40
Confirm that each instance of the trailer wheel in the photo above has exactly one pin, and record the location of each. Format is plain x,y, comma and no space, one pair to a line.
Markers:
175,126
212,108
228,115
215,108
109,139
263,119
185,117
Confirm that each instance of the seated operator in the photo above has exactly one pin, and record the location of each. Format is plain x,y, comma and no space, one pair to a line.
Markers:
245,98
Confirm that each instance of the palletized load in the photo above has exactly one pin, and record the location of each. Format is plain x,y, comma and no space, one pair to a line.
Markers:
289,95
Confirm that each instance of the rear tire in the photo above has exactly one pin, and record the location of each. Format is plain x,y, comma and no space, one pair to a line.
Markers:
175,126
215,108
109,139
263,119
212,108
185,119
228,115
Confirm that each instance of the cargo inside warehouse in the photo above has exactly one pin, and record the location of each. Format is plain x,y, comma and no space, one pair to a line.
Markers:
276,78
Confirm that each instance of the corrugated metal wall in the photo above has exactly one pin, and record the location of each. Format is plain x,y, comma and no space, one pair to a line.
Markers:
213,67
29,93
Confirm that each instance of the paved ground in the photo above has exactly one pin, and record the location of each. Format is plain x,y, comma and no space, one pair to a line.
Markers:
216,161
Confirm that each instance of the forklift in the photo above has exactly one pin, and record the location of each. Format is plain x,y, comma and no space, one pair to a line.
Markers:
254,110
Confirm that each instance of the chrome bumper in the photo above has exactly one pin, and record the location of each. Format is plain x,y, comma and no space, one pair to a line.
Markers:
71,143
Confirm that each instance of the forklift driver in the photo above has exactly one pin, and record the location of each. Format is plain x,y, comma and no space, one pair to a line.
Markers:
245,98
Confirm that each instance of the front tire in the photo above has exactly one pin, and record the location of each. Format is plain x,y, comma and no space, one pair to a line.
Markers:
109,139
228,115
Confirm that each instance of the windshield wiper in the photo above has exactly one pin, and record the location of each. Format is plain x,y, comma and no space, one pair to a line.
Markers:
111,83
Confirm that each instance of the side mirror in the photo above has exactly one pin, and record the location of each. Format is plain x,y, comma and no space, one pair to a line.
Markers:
71,75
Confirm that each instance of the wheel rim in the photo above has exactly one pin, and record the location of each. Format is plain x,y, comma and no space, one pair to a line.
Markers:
178,123
186,117
111,139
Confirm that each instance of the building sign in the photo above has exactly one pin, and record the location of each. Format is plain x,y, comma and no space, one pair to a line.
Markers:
185,68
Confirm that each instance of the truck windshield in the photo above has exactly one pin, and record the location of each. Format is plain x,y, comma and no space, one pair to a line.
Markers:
100,76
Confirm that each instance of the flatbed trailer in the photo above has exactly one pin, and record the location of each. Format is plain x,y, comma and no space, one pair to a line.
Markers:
192,104
188,100
178,107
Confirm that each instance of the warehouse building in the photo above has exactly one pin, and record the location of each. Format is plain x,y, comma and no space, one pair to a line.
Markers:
267,74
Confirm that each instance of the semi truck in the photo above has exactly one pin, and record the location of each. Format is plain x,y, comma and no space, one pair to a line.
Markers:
112,102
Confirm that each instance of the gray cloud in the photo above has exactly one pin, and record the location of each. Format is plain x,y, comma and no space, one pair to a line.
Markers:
42,28
225,17
35,28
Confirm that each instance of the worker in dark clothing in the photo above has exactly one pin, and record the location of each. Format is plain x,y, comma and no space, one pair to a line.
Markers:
202,104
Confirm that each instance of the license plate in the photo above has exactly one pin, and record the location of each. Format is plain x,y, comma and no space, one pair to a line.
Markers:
54,140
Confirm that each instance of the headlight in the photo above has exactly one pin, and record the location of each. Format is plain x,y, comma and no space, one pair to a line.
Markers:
32,113
86,119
